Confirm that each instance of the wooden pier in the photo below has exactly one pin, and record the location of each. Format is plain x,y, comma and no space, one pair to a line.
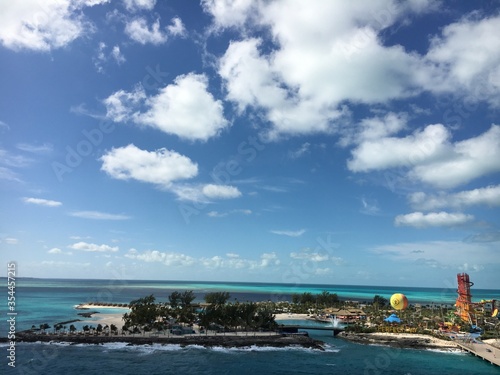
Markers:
485,351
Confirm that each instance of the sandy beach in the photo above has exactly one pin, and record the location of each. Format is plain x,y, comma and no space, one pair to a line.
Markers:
87,306
106,319
290,316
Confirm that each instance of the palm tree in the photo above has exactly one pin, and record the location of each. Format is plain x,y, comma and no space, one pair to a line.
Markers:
72,328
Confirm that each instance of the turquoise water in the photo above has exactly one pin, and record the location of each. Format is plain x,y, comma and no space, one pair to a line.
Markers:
51,301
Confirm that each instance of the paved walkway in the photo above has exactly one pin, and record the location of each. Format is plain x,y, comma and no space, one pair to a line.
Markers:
485,351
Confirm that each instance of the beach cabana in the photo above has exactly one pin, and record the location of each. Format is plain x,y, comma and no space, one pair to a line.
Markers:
393,318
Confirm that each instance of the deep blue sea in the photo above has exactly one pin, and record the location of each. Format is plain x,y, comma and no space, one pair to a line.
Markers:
53,300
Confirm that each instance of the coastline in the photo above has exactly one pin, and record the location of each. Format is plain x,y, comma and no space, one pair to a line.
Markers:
400,340
220,340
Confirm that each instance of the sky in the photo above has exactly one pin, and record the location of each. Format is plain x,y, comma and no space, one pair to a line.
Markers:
303,142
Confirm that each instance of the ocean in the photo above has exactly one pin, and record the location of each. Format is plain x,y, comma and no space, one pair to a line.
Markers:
52,300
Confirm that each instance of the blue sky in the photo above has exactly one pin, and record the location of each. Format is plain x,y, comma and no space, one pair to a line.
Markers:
273,141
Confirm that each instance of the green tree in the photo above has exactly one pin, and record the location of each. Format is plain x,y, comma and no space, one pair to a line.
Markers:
217,298
144,311
379,302
327,299
72,328
186,313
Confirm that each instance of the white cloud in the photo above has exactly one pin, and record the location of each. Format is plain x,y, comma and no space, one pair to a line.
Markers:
185,108
374,128
177,27
4,126
466,58
289,233
166,258
102,56
433,219
488,196
220,191
431,157
324,55
469,159
117,55
55,250
443,254
97,215
389,152
91,247
229,261
62,264
11,240
224,214
160,167
16,161
135,5
35,149
121,105
233,261
228,13
42,202
313,257
43,25
139,31
333,54
301,151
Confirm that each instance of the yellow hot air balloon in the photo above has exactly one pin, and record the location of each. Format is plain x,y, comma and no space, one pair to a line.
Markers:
399,301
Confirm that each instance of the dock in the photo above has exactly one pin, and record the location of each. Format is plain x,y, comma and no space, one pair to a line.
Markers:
295,328
485,351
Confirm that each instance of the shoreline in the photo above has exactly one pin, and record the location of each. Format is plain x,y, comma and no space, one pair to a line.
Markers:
220,340
400,340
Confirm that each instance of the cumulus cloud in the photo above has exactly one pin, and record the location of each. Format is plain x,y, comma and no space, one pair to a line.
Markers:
433,219
466,58
98,215
333,54
160,167
229,261
469,159
389,152
135,5
184,108
139,31
317,62
42,202
487,196
43,25
430,157
91,247
177,27
166,258
220,191
55,250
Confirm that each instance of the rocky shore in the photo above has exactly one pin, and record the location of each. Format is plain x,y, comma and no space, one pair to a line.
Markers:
399,340
228,341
